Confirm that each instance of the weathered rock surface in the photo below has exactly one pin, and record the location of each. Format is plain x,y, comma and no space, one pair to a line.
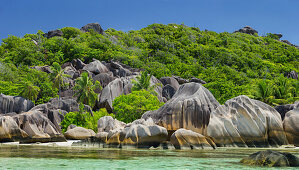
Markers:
53,33
140,133
38,127
242,121
96,67
14,104
271,158
46,69
93,26
189,108
291,126
171,81
247,30
168,91
187,139
79,133
283,109
107,124
104,79
10,131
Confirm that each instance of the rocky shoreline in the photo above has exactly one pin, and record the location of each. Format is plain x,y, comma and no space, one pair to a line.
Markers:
191,117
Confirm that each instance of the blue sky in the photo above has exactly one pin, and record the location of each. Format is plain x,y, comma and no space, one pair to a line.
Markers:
19,17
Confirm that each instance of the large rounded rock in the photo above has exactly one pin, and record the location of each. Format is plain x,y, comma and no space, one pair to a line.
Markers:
96,67
93,26
143,136
38,127
10,131
291,126
53,33
16,104
171,81
79,133
242,121
189,108
271,158
107,124
187,139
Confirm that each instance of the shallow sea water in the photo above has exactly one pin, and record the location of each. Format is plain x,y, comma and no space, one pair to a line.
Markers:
46,157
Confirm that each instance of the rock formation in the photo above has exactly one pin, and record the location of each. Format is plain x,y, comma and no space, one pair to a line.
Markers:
187,139
189,108
271,158
242,121
93,26
291,126
79,133
15,104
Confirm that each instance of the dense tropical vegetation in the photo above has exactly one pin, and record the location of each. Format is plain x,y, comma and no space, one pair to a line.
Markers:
231,63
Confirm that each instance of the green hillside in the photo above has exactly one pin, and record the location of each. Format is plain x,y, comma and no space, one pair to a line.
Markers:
231,63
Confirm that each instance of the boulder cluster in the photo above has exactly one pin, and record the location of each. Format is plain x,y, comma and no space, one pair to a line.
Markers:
191,117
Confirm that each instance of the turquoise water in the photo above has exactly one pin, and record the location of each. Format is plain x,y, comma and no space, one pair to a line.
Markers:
45,157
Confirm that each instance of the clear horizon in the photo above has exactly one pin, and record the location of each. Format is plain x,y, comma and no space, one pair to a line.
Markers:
267,16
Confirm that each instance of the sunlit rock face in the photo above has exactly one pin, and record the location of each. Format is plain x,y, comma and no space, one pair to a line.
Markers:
189,108
10,131
187,139
242,121
291,126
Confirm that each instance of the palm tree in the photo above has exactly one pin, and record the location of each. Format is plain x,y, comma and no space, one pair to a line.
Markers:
143,82
85,89
264,92
29,91
58,76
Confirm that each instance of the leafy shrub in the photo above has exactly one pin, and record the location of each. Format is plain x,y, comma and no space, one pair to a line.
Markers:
70,32
83,119
130,107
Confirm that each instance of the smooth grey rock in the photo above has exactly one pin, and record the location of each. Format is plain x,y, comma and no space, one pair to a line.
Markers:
187,139
14,104
171,81
38,127
189,108
96,67
79,133
197,80
291,126
107,124
242,121
10,131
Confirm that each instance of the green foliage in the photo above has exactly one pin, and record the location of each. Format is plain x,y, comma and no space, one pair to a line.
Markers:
29,91
130,107
85,89
231,63
70,32
144,82
83,119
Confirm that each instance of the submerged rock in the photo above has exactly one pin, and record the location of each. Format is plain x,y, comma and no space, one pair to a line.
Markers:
242,121
291,126
15,104
79,133
189,108
271,158
187,139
